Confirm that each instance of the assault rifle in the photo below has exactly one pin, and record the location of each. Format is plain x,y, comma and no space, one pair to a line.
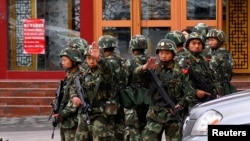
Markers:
165,96
202,85
82,95
56,104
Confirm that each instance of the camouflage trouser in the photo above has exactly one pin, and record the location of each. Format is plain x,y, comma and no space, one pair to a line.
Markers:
173,132
132,127
83,130
157,123
102,129
67,134
119,124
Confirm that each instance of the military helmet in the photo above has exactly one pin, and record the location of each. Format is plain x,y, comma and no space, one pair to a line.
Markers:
86,53
176,36
107,41
201,28
219,34
138,42
166,44
195,35
78,43
73,53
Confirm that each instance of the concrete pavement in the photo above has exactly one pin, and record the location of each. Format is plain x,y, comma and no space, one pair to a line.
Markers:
32,128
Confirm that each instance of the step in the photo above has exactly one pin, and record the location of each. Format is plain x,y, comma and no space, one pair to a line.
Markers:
28,83
26,97
241,82
27,92
241,85
38,101
24,110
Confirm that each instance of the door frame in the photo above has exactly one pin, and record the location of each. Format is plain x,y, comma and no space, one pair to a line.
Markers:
178,9
134,23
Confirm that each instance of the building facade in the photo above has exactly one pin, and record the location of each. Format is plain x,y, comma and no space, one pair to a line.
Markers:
90,19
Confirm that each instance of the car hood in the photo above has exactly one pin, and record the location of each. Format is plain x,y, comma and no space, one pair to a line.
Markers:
229,106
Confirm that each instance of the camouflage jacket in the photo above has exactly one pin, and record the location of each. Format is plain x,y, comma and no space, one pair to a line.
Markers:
222,61
171,83
133,71
96,84
117,66
69,111
207,52
203,71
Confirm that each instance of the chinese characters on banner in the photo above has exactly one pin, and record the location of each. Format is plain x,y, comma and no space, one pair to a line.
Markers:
33,36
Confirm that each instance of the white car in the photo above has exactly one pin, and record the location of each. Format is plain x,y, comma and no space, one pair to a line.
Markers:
232,109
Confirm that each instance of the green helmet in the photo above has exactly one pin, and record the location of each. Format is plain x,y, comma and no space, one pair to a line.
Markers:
73,53
138,42
78,43
107,41
201,28
219,34
86,53
195,35
166,44
176,36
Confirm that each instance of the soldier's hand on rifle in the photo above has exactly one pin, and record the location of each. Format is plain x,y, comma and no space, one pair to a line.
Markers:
150,64
55,115
95,51
60,119
177,106
76,101
201,93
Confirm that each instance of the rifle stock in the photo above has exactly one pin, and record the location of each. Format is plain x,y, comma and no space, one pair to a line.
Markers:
82,95
165,95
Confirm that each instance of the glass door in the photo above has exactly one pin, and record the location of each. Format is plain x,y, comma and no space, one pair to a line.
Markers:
151,18
125,18
157,18
209,12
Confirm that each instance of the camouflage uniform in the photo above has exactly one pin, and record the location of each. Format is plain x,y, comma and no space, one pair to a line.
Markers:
159,117
201,69
108,44
96,84
82,133
134,97
222,60
68,112
202,28
179,39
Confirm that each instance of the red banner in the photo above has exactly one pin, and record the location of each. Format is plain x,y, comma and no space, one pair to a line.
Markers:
33,36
